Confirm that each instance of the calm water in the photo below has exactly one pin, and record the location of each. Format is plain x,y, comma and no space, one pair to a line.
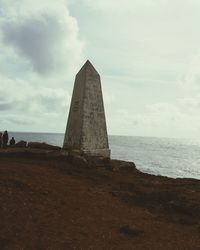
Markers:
159,156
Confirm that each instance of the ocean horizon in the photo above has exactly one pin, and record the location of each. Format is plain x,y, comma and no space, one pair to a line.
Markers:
171,157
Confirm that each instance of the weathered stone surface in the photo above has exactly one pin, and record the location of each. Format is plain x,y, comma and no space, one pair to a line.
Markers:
86,130
117,165
20,144
78,160
97,161
42,145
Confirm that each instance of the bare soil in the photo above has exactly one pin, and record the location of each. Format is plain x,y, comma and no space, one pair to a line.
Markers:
50,203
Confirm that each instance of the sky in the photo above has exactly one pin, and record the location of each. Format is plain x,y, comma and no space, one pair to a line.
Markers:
146,51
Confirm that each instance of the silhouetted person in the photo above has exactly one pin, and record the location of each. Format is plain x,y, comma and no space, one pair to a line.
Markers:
5,139
1,141
12,141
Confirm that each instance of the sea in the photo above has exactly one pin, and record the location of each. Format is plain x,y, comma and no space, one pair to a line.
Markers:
176,158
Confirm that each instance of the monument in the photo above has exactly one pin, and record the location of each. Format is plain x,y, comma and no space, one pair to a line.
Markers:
86,131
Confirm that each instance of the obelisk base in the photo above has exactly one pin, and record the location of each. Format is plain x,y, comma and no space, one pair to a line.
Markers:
104,153
100,153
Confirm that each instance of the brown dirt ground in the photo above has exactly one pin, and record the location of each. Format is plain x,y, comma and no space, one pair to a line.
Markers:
52,204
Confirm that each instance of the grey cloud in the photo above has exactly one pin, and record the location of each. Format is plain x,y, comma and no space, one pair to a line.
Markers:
51,103
33,101
20,121
36,40
7,102
135,122
6,106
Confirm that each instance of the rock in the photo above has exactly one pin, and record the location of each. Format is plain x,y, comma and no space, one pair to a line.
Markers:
117,165
76,159
20,144
85,160
42,145
131,231
96,161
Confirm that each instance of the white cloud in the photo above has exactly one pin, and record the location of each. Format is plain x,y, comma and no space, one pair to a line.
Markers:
123,4
148,55
33,109
147,52
161,119
43,33
40,52
131,4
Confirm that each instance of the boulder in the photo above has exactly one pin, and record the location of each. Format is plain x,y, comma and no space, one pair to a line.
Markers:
78,160
42,145
118,165
20,144
97,161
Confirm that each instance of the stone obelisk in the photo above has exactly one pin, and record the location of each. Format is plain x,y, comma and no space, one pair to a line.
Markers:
86,131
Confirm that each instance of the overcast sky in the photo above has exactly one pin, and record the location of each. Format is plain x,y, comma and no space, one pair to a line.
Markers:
146,51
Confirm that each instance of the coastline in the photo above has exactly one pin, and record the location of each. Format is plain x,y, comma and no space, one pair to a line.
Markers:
54,202
176,158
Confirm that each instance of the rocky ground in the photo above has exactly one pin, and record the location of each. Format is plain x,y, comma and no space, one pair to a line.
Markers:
52,202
